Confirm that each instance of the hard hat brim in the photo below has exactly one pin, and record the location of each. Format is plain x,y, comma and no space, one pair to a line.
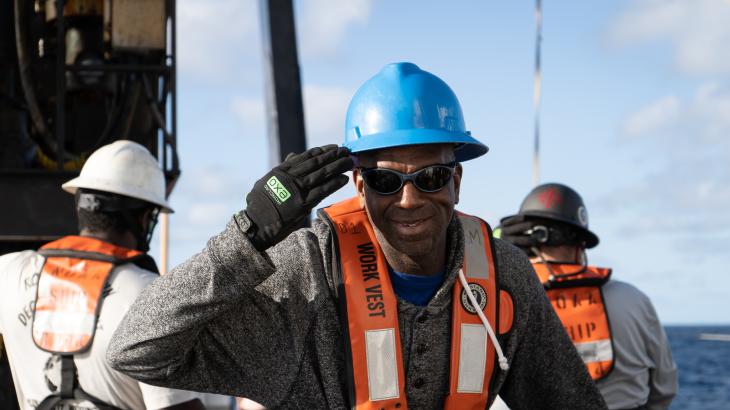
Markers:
84,183
467,147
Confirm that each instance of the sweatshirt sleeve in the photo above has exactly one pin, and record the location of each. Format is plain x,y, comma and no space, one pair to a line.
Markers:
546,371
663,376
229,320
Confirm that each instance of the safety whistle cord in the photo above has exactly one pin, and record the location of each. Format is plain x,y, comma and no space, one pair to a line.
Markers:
503,364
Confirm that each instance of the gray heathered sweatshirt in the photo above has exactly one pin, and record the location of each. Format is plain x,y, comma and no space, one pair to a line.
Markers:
264,326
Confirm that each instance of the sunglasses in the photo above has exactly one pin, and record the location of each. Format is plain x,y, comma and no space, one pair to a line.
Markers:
387,181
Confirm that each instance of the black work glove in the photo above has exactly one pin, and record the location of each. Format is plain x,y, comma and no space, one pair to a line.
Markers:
513,230
283,199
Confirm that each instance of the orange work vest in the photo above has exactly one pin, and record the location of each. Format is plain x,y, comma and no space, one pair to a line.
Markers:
576,295
369,314
70,290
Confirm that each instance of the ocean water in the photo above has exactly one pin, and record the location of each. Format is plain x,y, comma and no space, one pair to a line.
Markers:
704,367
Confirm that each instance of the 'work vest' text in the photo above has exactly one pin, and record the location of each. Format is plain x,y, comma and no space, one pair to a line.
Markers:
373,289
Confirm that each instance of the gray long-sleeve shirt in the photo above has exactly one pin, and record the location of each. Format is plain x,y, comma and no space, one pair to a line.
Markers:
644,371
265,326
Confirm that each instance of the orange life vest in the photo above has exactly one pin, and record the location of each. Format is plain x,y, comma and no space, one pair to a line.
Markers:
576,295
70,289
368,310
67,305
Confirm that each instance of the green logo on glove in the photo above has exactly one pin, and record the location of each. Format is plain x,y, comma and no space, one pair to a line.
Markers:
277,190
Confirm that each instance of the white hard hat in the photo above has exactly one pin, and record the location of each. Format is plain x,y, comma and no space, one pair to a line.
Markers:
125,168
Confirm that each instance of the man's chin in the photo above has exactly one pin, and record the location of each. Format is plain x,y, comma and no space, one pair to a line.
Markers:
415,247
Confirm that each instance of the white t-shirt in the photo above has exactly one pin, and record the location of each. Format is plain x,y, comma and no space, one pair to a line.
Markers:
19,274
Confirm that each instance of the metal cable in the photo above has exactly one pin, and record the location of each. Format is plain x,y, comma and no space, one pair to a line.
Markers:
537,93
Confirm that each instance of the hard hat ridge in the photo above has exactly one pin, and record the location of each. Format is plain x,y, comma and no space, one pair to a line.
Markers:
404,105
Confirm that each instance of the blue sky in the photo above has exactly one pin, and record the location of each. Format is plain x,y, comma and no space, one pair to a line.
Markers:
635,117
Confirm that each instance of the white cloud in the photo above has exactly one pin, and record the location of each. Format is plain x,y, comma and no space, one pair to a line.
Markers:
206,182
324,113
325,109
699,31
323,24
701,119
251,111
204,200
711,109
207,213
210,195
688,194
655,116
213,33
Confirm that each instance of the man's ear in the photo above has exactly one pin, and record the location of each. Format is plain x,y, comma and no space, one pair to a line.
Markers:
458,171
359,186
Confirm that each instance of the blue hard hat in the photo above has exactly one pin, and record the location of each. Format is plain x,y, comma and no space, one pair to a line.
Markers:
404,105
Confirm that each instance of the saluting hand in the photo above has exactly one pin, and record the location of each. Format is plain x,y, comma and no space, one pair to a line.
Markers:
281,200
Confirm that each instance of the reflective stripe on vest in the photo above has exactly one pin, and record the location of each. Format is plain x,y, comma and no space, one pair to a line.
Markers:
70,289
575,293
371,309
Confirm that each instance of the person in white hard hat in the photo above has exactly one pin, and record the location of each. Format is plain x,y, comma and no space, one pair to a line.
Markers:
60,305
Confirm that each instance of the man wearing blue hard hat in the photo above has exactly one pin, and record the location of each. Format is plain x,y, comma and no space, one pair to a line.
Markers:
391,300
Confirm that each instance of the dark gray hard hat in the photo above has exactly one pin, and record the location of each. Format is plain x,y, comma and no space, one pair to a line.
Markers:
558,202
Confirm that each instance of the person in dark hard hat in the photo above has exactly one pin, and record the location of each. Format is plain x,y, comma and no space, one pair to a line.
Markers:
59,306
390,300
613,325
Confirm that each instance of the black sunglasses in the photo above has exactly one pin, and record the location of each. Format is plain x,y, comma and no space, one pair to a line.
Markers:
429,179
